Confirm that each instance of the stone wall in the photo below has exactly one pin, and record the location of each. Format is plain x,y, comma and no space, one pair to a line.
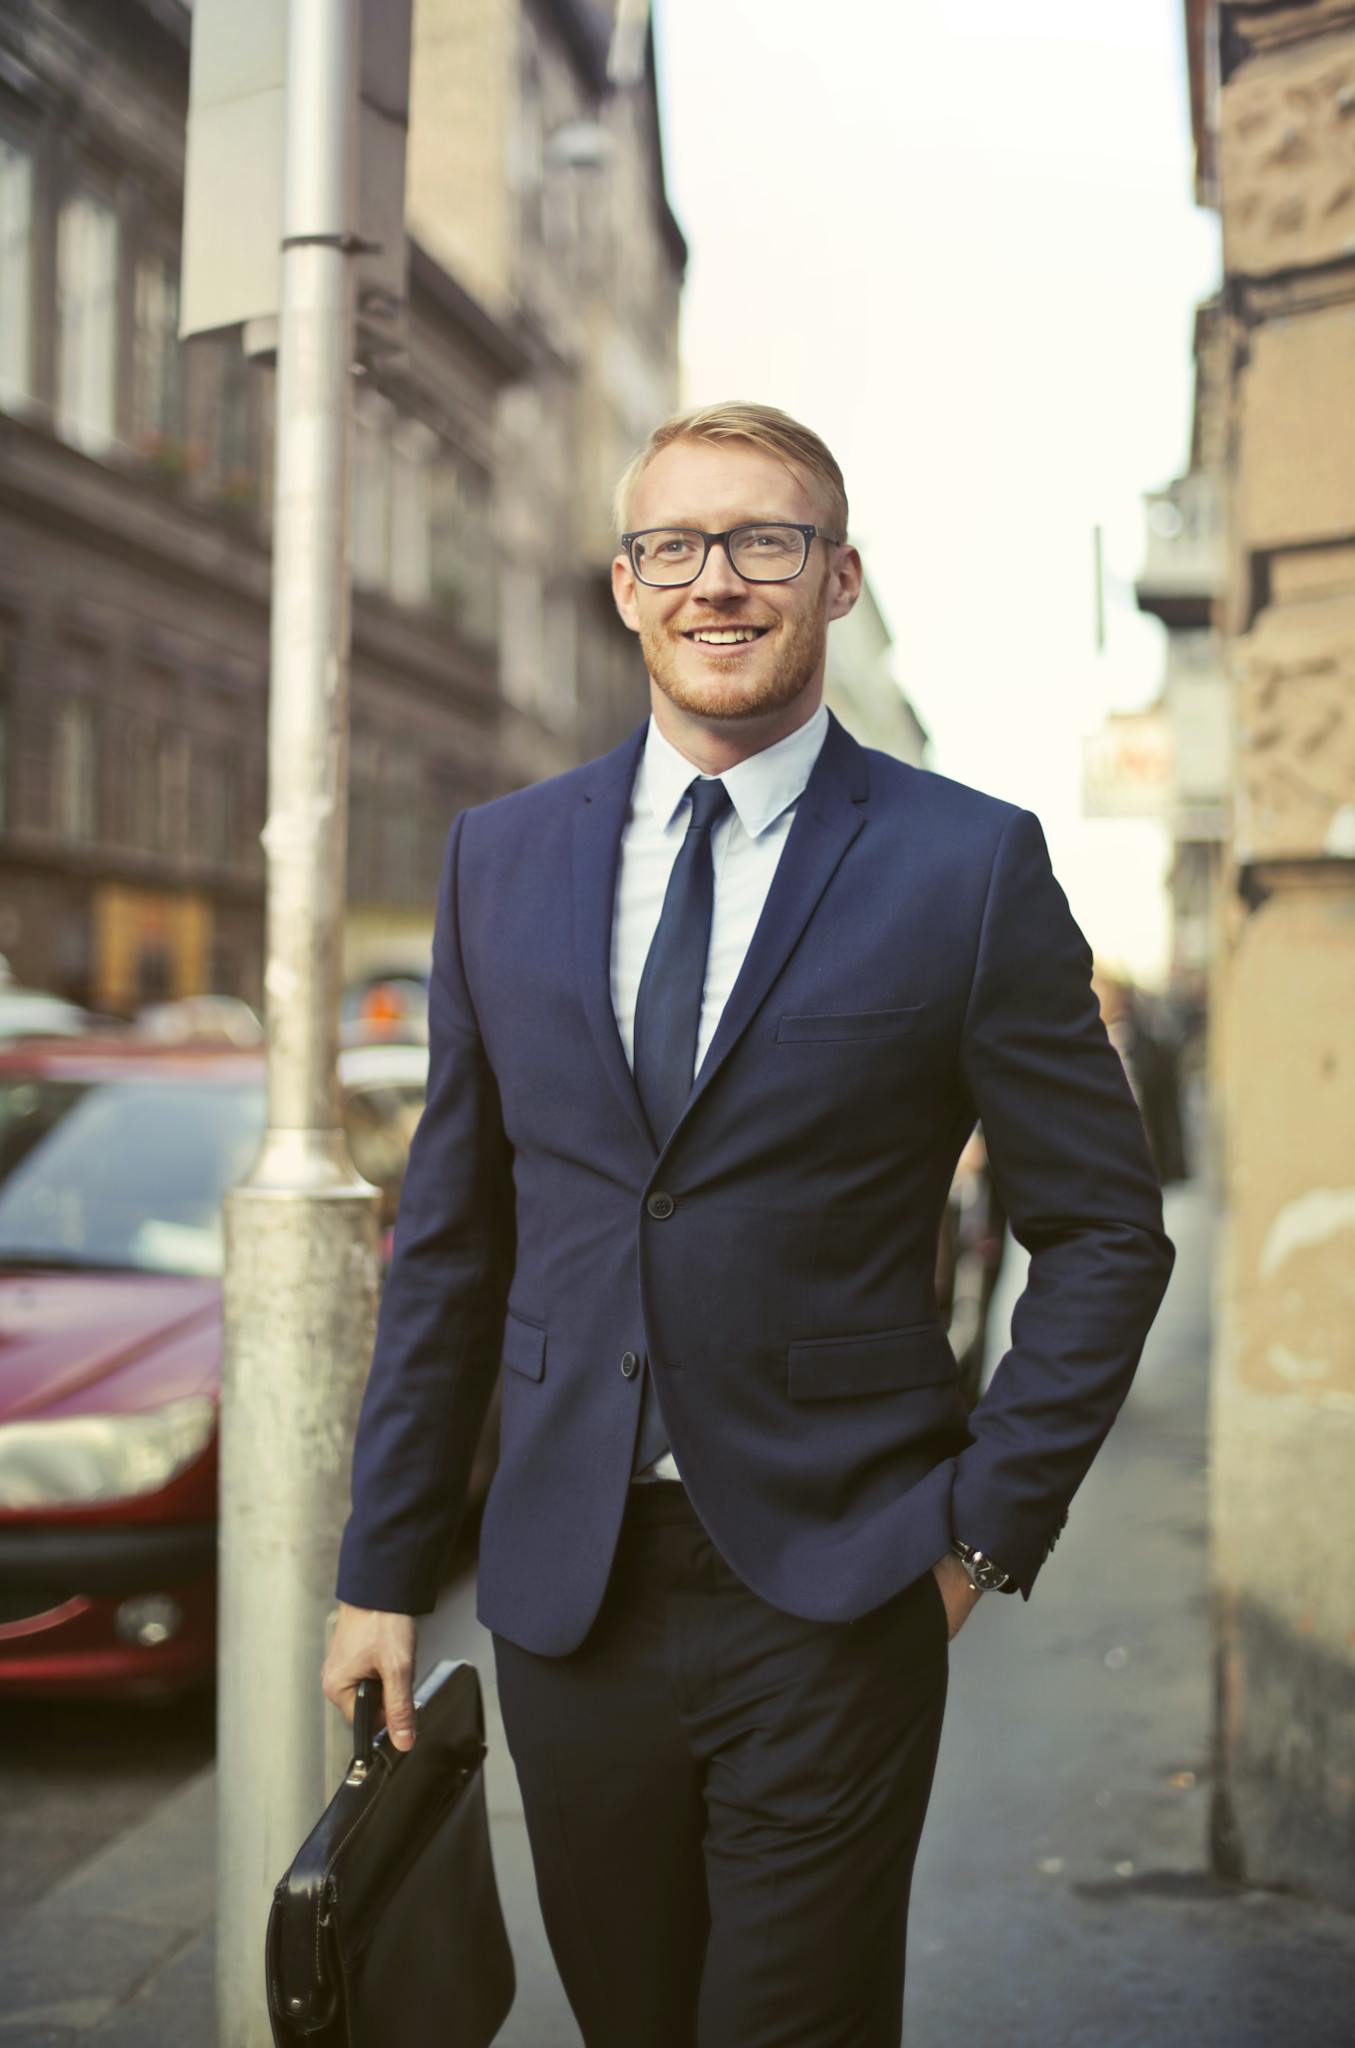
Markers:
1282,140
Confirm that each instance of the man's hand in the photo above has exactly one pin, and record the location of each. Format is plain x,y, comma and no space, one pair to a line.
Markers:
370,1644
960,1596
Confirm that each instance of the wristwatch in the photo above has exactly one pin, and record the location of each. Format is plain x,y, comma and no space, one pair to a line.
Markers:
983,1575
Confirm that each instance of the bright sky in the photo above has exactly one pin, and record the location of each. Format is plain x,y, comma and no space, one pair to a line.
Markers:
957,238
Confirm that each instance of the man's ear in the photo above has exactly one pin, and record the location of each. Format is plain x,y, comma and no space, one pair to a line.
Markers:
847,576
623,592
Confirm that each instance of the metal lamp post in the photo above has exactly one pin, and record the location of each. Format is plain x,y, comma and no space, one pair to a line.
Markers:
302,1260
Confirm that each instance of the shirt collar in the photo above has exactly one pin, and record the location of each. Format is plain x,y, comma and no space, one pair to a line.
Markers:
760,788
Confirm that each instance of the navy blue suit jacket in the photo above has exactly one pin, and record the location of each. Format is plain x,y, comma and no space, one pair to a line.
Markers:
916,966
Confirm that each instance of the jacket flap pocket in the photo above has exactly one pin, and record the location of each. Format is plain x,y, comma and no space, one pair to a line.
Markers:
524,1347
856,1024
889,1362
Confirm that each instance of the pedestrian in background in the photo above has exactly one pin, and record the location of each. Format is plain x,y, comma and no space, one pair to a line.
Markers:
711,1020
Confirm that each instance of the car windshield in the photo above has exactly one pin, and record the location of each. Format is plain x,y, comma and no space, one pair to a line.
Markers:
122,1174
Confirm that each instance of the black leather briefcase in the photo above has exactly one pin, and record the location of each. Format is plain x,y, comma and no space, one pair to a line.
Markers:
387,1930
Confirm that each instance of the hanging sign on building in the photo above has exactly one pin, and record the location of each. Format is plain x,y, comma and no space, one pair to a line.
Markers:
1127,766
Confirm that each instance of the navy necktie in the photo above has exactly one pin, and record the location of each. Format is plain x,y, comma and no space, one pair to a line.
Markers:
668,1015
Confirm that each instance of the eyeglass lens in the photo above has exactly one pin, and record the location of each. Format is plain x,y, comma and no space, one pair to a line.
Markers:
760,554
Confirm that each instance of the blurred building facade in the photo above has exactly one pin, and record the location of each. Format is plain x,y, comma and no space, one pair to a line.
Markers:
1180,583
567,239
135,497
1273,108
861,689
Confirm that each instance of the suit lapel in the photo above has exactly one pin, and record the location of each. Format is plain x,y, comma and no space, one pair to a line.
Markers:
827,819
598,825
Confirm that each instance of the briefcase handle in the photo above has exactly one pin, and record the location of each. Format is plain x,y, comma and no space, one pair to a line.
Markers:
366,1707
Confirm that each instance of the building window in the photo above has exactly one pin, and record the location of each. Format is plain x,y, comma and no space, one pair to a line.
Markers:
8,667
87,316
215,804
387,823
75,764
364,769
233,443
171,791
401,514
413,447
528,150
448,793
33,757
524,647
461,545
16,275
156,377
370,485
560,682
401,793
141,820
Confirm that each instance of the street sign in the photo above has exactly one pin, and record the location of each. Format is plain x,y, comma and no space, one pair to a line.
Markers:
232,272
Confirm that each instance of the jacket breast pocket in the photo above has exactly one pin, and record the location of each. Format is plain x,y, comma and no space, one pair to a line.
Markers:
848,1026
524,1347
886,1362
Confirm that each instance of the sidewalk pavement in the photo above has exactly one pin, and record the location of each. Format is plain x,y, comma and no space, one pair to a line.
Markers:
1062,1896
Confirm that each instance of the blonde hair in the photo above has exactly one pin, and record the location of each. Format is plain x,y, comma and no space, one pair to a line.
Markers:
762,426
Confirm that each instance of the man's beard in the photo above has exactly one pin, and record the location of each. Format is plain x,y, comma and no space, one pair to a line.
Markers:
797,659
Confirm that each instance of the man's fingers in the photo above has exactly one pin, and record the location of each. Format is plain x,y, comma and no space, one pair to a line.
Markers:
366,1644
341,1691
337,1690
398,1701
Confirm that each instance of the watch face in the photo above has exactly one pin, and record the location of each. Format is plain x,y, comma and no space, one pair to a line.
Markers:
983,1573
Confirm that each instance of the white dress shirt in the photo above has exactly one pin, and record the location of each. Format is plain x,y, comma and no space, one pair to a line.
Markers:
746,845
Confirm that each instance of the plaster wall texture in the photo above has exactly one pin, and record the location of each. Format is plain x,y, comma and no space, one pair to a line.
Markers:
1297,457
1268,23
1295,675
1283,1374
1287,157
1291,1175
1284,1793
1283,1405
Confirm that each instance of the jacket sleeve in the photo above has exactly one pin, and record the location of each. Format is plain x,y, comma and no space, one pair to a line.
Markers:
442,1309
1071,1165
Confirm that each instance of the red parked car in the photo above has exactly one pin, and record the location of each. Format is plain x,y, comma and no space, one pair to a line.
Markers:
114,1157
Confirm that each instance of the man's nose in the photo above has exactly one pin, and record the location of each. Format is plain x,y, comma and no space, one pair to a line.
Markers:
718,578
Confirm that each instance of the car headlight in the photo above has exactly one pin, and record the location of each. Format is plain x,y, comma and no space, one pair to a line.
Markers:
75,1460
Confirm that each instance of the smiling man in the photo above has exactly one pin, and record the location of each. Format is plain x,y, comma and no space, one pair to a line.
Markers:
735,631
712,1019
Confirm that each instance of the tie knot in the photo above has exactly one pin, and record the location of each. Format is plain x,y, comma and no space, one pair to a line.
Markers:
710,801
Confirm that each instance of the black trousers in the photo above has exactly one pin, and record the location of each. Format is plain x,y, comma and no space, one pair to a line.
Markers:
724,1802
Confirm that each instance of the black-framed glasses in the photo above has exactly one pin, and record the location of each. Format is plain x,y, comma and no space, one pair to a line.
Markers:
768,551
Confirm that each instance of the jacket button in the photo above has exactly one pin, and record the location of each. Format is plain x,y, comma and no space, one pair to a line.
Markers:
630,1365
660,1205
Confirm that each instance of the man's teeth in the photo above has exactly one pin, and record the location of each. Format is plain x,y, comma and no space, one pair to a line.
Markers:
729,636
